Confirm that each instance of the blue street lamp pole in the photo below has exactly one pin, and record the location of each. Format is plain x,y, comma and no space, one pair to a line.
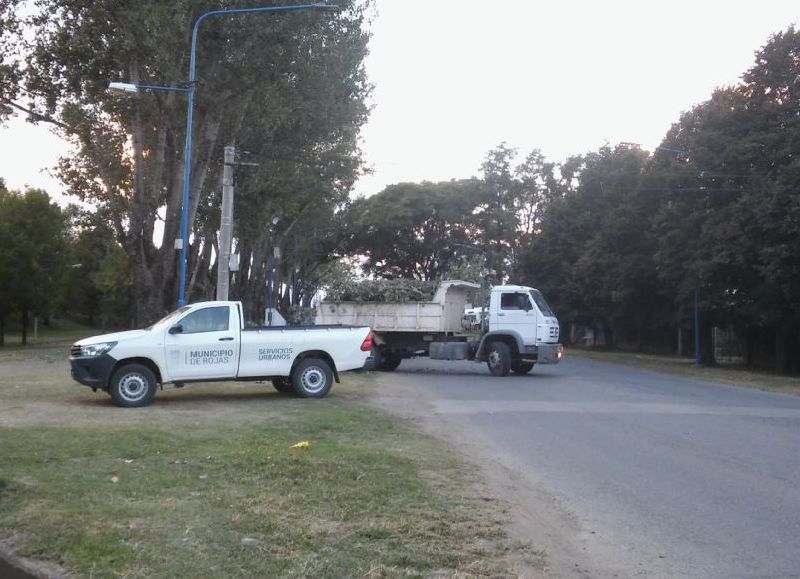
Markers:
187,155
190,90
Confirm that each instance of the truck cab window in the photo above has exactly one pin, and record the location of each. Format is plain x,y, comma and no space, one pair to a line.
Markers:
206,320
541,303
515,301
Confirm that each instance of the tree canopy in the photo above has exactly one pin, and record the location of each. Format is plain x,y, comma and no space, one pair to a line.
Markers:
33,247
289,88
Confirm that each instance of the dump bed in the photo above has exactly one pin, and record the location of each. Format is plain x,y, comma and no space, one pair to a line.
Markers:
443,314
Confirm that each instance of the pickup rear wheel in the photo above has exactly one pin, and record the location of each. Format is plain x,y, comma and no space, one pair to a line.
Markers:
133,385
312,378
283,385
499,360
521,367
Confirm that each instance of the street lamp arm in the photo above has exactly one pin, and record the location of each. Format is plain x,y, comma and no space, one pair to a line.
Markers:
135,87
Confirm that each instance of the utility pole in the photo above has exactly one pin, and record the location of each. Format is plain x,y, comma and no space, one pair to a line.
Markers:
226,225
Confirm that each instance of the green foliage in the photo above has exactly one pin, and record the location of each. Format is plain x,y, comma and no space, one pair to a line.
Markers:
716,209
290,88
10,69
33,248
382,291
98,284
412,230
428,230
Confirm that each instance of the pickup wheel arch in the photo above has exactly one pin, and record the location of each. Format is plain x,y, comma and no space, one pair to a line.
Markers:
317,354
143,361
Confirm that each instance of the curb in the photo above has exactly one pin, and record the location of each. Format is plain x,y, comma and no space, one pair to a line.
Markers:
15,567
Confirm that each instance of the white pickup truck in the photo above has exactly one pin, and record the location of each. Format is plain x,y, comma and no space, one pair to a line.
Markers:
208,341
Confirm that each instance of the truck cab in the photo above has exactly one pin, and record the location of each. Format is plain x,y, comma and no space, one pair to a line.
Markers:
522,331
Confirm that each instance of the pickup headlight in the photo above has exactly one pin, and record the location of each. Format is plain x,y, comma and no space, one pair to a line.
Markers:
96,349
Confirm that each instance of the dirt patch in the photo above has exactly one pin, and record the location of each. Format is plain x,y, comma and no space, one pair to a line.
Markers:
550,539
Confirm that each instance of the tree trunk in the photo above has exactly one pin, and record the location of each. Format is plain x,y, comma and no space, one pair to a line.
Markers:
781,359
609,333
2,330
24,326
706,341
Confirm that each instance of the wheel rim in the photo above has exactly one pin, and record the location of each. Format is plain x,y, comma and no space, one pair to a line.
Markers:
313,380
494,358
133,387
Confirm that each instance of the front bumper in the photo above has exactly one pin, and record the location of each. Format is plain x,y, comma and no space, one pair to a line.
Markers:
92,371
550,353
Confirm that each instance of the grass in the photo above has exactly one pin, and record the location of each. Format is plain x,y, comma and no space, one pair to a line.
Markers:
730,375
204,483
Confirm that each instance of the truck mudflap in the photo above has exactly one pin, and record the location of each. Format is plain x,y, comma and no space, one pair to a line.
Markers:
550,353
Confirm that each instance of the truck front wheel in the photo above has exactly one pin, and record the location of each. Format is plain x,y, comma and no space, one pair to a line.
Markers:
133,385
521,367
312,378
499,360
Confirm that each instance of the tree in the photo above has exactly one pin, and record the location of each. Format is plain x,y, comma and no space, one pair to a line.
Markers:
496,216
9,57
32,251
592,252
733,195
97,286
412,230
290,87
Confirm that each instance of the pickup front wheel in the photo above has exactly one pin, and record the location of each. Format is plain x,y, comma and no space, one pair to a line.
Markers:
312,378
133,385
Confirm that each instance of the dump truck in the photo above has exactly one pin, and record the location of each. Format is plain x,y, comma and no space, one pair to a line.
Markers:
515,332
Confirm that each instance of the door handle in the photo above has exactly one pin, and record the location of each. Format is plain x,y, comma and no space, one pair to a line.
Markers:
500,314
228,339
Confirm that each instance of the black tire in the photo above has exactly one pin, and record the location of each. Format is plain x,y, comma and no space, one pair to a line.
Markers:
389,361
283,385
499,359
133,386
312,378
522,367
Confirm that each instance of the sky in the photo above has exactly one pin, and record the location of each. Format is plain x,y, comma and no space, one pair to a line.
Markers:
454,79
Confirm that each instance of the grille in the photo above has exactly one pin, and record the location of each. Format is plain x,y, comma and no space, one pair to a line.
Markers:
75,352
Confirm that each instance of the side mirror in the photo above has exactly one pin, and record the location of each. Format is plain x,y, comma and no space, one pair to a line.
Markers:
176,329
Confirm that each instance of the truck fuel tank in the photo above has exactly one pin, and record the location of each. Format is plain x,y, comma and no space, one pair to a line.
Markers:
449,350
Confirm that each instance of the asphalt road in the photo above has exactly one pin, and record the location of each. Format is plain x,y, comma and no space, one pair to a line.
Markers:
661,476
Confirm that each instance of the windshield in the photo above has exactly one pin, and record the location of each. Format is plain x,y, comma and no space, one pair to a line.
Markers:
169,318
542,303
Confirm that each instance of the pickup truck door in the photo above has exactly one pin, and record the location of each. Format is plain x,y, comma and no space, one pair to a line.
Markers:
203,344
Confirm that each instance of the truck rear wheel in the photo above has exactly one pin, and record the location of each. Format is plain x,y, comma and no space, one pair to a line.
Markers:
499,360
312,378
132,386
389,361
283,385
521,367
